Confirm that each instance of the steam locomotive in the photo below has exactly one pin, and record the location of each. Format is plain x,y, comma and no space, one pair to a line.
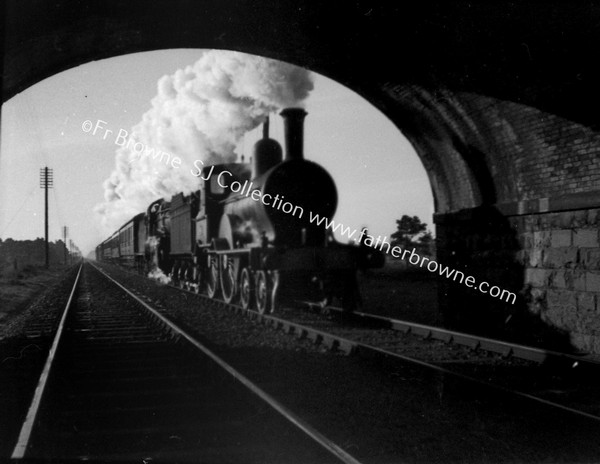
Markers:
246,235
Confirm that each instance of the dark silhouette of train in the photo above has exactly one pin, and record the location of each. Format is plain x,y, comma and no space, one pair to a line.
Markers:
246,235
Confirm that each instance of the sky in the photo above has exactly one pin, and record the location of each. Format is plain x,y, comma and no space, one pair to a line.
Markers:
378,174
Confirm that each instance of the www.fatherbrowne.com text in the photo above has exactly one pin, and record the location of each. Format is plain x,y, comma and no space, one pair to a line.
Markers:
142,151
362,237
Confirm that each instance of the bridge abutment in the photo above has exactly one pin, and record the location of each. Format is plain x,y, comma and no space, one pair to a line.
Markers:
517,200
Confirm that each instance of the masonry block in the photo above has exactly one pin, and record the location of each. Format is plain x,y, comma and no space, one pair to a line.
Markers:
592,281
579,219
538,294
565,257
545,221
562,299
561,220
561,238
562,279
536,277
587,322
590,259
562,308
541,238
579,281
529,224
526,240
587,238
536,300
565,220
535,257
586,302
554,220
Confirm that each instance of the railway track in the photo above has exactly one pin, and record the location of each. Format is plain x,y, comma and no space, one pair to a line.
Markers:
477,342
474,342
122,382
540,422
349,340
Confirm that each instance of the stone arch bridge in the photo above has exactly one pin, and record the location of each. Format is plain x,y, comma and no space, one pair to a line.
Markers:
500,100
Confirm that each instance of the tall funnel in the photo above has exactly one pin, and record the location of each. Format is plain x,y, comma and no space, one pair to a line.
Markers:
294,133
267,153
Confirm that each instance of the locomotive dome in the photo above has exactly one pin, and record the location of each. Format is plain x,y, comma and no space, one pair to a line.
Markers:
267,153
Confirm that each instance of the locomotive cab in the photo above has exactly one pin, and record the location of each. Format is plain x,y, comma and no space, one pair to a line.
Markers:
213,191
158,246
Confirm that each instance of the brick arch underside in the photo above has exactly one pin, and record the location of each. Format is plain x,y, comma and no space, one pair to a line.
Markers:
481,151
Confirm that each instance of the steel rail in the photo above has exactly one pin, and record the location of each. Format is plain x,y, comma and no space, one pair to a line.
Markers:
529,353
351,346
317,436
27,427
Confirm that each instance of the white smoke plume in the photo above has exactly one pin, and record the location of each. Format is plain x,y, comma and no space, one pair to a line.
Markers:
158,275
247,232
199,113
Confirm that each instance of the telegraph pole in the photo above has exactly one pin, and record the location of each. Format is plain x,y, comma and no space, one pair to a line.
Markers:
65,242
46,182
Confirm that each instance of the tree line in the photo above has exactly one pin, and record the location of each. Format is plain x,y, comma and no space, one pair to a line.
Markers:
412,233
20,253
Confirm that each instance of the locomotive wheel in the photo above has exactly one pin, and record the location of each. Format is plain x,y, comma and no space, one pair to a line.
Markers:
174,274
246,289
189,278
262,293
197,279
228,274
212,278
182,276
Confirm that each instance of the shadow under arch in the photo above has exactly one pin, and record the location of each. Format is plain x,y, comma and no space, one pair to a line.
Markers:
473,233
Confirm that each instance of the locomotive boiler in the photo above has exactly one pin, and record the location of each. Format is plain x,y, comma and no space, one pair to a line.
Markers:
248,235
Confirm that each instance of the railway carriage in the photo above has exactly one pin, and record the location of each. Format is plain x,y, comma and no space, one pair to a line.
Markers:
115,253
132,239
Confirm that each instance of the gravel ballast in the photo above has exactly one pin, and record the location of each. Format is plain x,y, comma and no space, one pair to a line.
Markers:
24,343
380,410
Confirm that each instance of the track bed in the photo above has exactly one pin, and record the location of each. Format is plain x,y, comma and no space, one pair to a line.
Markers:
123,388
380,409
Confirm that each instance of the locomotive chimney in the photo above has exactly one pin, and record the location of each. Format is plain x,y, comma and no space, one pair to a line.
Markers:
294,133
267,153
266,128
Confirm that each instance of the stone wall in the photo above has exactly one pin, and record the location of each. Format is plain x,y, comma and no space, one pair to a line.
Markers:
561,257
550,260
